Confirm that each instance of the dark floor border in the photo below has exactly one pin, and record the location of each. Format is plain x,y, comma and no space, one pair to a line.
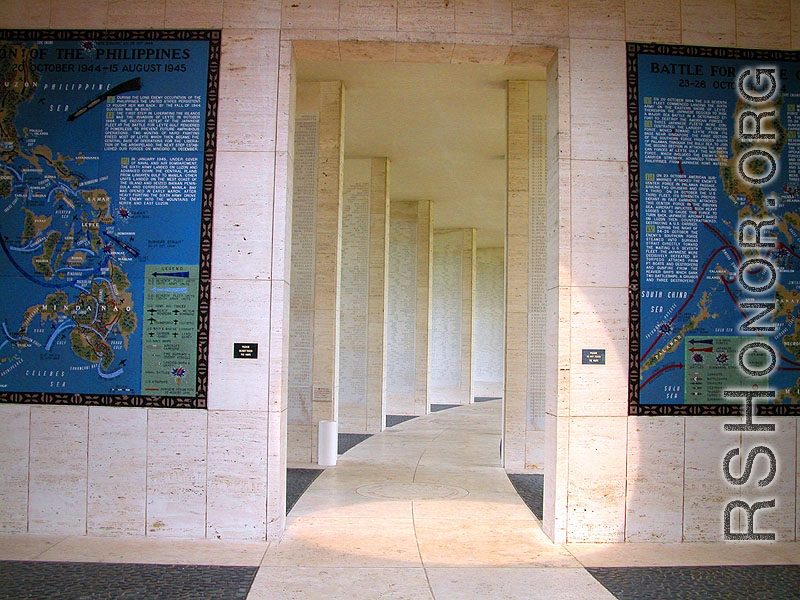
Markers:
392,420
21,580
745,582
441,407
347,441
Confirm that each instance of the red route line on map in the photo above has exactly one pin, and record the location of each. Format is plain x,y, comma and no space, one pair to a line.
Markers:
781,245
659,372
691,296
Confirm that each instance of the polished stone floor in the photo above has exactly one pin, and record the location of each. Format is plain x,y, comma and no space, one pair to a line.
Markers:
420,511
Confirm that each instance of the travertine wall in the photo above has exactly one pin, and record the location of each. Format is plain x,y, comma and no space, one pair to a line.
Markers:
219,473
489,336
316,240
362,300
409,304
525,278
452,316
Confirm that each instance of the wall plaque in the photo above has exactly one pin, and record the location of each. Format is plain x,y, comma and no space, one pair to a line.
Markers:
593,356
714,229
241,350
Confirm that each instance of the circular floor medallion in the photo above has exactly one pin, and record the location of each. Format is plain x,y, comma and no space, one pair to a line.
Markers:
411,491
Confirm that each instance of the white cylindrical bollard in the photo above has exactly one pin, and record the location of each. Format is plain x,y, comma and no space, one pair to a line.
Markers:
328,447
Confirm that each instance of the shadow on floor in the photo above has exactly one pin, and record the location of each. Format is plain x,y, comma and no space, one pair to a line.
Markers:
530,488
297,482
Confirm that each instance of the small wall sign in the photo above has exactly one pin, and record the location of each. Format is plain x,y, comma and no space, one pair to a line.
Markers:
594,356
241,350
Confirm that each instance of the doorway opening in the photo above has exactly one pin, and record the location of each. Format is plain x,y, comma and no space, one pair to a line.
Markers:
435,133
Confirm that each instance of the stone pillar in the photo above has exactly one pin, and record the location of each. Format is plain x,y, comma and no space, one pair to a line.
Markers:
362,319
489,332
559,300
453,290
379,213
410,257
315,254
525,281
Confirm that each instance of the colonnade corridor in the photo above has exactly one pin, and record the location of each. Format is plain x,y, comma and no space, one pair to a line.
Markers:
423,509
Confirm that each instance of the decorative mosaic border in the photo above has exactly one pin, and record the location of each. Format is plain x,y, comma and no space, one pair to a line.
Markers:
634,407
209,157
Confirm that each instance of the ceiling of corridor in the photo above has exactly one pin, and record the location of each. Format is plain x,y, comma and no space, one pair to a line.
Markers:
443,128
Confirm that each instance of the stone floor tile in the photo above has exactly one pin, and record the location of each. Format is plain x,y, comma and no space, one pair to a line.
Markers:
25,547
687,554
516,584
473,543
156,551
345,542
337,583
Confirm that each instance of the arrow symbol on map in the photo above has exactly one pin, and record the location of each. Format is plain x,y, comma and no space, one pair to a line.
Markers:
701,341
124,245
184,274
693,349
126,86
105,375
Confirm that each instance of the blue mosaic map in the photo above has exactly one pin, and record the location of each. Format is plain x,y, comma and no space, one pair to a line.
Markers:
101,174
700,281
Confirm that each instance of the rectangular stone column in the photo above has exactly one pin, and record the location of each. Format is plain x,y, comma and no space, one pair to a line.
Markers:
410,257
362,318
315,254
452,316
525,281
489,332
559,300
